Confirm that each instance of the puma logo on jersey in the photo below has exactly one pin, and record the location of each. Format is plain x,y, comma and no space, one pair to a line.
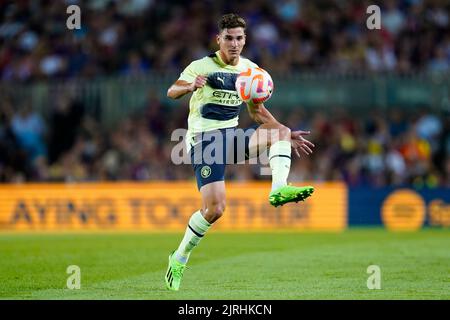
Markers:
222,80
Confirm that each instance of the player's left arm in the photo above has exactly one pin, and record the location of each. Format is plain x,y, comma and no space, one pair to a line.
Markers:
261,115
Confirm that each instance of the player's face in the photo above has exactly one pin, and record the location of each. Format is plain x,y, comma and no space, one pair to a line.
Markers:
231,42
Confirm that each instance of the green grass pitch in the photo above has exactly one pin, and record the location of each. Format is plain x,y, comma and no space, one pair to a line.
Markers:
279,265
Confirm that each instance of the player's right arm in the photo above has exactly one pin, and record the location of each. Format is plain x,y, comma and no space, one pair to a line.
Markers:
182,87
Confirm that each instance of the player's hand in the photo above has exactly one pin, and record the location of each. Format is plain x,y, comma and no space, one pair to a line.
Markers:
199,82
299,143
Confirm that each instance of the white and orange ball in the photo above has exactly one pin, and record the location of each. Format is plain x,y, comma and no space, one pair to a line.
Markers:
255,85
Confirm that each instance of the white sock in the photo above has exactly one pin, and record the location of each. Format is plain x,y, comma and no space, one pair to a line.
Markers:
195,230
280,163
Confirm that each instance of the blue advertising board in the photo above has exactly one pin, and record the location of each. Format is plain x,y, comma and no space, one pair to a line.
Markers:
399,208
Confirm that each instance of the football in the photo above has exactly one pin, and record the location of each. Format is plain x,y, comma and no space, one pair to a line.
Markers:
255,85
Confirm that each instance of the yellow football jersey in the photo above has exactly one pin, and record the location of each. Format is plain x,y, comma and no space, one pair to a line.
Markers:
217,104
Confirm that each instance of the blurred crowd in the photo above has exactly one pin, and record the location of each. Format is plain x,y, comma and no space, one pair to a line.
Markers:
385,147
391,147
131,37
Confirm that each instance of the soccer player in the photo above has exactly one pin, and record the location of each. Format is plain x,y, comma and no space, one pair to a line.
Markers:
214,108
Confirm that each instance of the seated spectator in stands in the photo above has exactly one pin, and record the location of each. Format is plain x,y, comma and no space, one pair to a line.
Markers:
29,130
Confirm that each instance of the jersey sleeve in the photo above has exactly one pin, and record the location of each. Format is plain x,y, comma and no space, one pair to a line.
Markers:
191,72
250,64
253,65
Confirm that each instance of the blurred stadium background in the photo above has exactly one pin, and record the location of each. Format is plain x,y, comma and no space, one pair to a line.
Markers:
89,104
85,124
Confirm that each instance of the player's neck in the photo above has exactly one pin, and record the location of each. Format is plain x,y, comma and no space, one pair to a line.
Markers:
233,62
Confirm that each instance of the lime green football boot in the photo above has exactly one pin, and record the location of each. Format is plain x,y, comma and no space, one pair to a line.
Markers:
174,273
289,193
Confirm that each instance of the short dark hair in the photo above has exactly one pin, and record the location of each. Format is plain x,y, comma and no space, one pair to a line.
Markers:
231,20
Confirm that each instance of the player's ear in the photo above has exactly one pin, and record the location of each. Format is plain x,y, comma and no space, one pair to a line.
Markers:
218,39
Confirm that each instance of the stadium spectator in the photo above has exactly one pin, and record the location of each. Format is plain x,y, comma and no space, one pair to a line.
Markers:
368,150
136,37
116,36
29,129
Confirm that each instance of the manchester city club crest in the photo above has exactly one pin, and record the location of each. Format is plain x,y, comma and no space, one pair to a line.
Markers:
205,171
